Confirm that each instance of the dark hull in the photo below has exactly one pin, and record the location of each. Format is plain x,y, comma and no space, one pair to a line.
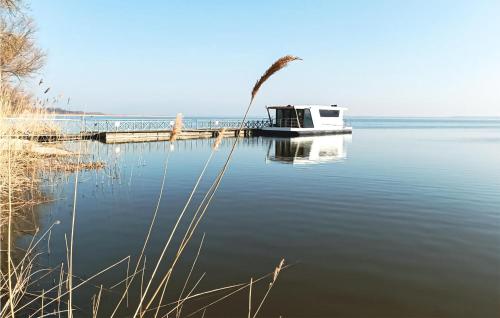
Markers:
275,133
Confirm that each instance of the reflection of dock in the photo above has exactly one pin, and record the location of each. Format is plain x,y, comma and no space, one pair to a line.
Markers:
308,150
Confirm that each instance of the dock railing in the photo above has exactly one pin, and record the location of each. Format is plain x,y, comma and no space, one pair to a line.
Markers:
112,125
87,124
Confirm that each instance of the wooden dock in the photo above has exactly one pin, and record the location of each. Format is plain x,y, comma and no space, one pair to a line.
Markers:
52,137
143,130
162,135
113,137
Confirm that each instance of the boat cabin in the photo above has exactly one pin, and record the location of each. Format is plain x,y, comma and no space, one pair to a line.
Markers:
306,120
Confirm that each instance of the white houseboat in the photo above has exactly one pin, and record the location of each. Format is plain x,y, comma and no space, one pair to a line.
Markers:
300,120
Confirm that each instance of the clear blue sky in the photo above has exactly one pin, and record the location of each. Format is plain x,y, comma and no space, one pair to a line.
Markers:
202,57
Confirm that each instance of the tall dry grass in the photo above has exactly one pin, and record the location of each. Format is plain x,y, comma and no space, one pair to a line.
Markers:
22,122
20,157
19,167
24,164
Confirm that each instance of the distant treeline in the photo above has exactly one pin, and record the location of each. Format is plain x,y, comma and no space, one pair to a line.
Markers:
58,110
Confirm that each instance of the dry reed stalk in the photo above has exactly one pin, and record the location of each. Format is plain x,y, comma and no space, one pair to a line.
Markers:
9,235
59,288
142,277
219,138
59,297
153,220
179,308
190,272
41,307
200,294
25,275
240,287
165,279
125,280
279,64
185,283
29,251
167,276
196,219
250,298
275,67
271,284
95,303
177,129
73,219
126,276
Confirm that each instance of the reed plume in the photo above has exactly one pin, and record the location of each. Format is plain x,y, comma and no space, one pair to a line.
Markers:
278,65
278,270
176,130
219,139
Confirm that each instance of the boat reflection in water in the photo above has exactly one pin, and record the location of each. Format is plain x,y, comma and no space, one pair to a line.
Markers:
308,150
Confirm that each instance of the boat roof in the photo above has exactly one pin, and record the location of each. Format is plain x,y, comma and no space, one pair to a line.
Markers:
305,106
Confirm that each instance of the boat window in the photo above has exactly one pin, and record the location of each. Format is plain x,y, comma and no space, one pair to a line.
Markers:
289,117
328,113
308,122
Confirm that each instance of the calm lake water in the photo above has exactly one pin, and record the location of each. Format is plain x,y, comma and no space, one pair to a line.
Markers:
401,219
